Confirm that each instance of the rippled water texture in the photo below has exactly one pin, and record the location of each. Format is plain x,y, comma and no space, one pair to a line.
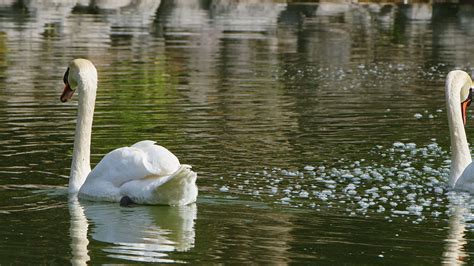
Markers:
318,130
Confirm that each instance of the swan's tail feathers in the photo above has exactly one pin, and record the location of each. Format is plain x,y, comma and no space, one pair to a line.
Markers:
177,189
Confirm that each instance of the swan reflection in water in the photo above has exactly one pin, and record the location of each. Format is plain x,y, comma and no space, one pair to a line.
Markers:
455,243
141,233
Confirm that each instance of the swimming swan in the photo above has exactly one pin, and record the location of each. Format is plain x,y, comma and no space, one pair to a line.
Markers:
144,173
458,98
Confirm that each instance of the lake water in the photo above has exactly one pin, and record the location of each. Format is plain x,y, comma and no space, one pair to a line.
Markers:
318,131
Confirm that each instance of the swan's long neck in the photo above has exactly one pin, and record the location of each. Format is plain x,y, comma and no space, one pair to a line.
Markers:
460,154
80,167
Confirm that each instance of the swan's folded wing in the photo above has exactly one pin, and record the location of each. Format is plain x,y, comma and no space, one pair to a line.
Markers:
161,160
141,169
121,165
128,163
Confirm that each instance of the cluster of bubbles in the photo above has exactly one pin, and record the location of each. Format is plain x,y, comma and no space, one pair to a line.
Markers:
427,114
360,73
411,184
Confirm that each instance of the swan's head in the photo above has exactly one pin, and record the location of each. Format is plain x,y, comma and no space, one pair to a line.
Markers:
459,88
80,72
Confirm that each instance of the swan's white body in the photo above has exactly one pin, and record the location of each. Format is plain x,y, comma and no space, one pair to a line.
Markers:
458,84
145,172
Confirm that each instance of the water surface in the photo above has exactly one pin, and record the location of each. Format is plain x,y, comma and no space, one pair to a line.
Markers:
318,131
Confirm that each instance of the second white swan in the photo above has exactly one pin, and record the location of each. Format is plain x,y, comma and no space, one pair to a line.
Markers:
144,173
458,98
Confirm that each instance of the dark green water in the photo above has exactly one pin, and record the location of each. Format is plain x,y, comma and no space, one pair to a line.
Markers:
302,121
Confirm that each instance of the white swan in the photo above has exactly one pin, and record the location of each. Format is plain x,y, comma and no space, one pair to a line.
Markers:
144,173
458,98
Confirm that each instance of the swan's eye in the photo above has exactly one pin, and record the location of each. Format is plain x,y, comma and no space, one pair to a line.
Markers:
66,76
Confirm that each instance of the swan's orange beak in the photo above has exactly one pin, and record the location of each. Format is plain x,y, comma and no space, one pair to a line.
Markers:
465,105
67,94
